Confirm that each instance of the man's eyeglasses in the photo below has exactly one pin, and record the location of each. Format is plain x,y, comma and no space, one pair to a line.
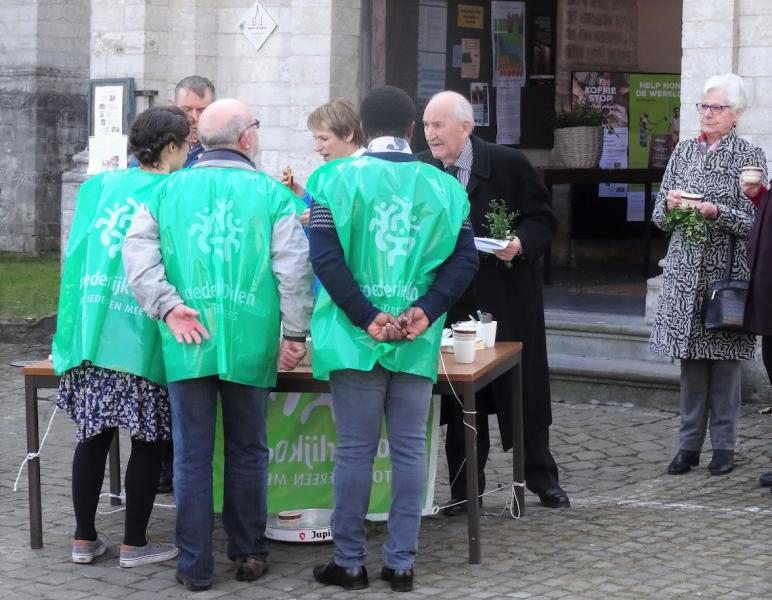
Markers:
715,109
255,124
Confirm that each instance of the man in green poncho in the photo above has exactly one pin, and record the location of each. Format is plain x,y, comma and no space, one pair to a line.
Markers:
392,246
218,254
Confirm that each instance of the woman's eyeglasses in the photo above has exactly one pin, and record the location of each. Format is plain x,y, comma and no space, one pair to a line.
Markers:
715,109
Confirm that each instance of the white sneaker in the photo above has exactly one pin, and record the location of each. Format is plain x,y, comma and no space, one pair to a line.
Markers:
84,551
134,556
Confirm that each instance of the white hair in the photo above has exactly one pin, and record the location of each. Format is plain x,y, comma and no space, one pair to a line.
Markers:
462,108
731,86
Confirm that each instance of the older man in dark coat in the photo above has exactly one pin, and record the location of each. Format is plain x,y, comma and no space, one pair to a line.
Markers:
513,295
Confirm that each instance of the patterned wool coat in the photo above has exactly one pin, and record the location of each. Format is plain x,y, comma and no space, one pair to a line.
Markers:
690,269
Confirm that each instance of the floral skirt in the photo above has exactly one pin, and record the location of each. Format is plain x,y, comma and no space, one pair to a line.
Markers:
98,399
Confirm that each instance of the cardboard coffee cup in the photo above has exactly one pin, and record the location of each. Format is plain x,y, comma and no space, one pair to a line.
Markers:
688,199
751,175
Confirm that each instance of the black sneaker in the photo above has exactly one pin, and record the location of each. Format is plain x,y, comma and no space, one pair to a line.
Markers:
349,578
401,580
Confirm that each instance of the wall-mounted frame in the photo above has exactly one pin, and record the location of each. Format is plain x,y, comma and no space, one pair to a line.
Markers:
110,106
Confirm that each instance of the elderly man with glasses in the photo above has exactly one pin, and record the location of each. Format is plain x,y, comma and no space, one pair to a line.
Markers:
220,250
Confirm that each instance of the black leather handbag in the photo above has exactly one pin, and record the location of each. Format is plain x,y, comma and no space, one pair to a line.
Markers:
724,305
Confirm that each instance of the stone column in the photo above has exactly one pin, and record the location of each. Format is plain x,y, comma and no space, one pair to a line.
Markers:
43,69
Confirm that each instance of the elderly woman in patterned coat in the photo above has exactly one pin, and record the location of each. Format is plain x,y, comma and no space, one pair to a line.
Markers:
710,360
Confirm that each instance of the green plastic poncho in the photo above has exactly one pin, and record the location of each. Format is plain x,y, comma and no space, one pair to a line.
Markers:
215,227
397,223
99,320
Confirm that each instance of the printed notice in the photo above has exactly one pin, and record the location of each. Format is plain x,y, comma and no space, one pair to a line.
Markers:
106,153
470,58
108,113
508,114
478,96
470,16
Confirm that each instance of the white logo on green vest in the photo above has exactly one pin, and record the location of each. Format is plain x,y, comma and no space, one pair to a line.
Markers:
115,224
394,228
218,231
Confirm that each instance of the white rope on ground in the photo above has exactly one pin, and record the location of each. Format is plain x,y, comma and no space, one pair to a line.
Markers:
122,498
32,455
511,502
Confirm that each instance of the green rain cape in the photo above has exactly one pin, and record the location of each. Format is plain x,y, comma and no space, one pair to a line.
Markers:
397,223
99,320
215,227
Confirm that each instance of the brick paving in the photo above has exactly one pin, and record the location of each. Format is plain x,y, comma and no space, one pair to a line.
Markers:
633,532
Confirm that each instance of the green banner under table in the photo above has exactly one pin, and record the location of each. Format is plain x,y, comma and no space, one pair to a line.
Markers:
301,442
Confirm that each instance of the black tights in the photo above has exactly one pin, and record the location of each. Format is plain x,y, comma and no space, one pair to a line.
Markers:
88,473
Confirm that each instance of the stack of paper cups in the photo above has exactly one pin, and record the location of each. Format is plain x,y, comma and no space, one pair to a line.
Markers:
488,333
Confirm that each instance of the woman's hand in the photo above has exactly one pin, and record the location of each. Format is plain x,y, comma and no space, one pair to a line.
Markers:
305,217
289,180
751,190
673,199
707,210
514,248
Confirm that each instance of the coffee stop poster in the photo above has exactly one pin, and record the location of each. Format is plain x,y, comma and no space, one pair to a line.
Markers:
607,90
301,444
655,127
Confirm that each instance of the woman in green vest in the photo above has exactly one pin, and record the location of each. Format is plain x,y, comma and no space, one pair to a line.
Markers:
107,351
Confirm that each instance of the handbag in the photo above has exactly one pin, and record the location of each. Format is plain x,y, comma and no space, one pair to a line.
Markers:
724,305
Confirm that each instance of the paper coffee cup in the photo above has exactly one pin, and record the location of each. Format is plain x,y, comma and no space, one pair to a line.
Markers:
488,334
751,175
464,337
689,199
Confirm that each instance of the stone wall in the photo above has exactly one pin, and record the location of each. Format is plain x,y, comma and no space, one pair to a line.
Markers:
43,72
729,35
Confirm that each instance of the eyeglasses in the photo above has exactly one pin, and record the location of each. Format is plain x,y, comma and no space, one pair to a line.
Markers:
715,109
255,124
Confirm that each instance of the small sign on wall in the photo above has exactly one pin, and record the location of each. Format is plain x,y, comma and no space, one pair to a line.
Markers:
257,25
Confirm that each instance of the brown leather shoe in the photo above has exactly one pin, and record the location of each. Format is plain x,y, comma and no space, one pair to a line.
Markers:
249,568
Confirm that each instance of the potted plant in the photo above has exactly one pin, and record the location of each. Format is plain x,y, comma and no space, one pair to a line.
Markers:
579,135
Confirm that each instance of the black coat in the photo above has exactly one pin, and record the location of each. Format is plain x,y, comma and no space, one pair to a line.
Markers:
758,306
513,296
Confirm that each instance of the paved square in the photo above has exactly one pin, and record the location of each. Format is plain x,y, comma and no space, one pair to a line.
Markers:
633,532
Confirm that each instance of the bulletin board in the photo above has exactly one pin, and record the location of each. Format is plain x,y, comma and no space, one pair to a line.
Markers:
457,46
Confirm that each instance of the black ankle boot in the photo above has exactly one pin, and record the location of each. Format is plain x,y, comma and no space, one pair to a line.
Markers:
683,461
722,462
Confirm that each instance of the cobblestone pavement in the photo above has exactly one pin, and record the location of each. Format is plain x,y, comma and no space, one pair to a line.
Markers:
633,532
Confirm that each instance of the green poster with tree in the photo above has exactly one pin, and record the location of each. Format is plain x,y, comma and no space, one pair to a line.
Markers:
655,126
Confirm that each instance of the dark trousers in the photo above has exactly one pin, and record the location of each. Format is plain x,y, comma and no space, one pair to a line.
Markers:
541,471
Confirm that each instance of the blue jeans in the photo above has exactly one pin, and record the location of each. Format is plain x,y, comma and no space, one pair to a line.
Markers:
194,413
360,401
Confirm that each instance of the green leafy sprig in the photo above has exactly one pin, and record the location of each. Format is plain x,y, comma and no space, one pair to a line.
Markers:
501,223
693,225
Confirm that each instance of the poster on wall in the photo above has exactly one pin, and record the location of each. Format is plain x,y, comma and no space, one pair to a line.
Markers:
609,90
470,16
478,96
470,58
432,35
508,114
541,28
655,127
508,33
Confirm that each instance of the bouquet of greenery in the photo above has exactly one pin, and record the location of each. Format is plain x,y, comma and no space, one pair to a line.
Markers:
501,223
692,224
